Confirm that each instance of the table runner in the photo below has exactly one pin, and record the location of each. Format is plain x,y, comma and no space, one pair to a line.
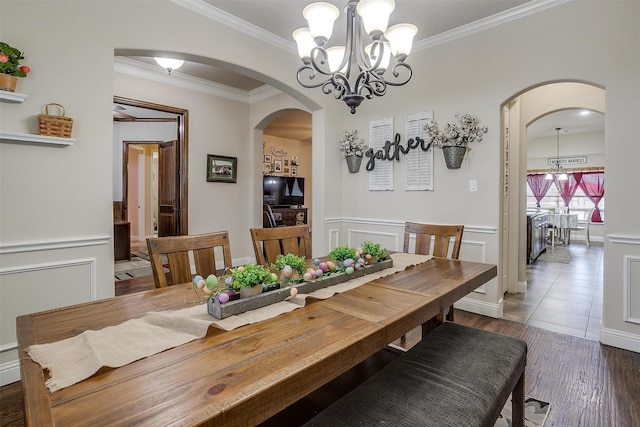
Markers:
74,359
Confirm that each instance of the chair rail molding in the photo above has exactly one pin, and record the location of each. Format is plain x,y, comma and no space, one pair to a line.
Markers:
624,239
394,223
48,245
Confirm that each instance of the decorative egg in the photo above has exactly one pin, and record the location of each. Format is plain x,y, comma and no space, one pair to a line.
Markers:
287,271
347,262
323,266
331,265
361,261
319,273
316,261
273,277
212,282
223,297
228,281
293,292
207,290
307,277
357,266
348,270
368,257
196,279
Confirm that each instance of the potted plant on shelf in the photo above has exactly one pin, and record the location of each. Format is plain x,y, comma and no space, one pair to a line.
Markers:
353,149
455,137
249,278
10,67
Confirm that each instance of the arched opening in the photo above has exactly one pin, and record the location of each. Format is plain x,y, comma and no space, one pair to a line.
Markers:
517,114
284,151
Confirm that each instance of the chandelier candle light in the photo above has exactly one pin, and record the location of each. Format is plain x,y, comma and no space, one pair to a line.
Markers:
330,68
557,171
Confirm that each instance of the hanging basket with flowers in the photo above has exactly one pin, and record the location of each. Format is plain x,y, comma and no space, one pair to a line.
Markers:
455,137
10,67
353,149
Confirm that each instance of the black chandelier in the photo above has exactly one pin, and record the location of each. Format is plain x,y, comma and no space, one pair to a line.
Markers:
330,68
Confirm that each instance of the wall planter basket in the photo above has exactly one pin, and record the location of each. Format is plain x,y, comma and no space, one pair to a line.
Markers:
353,163
453,156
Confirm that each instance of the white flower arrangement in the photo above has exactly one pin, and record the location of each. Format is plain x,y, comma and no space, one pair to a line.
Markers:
455,135
350,145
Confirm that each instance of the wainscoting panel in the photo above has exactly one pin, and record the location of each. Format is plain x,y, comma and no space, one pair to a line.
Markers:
387,240
38,287
632,290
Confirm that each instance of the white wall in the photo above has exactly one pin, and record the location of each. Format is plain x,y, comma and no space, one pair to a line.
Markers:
56,202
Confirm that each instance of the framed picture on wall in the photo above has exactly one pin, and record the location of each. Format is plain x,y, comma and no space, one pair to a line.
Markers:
294,171
267,158
286,171
222,168
266,168
286,162
277,166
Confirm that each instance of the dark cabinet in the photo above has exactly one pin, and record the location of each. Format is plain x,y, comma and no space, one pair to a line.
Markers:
537,230
291,216
122,240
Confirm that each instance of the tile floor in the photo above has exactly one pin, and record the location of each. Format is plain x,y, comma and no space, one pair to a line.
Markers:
565,298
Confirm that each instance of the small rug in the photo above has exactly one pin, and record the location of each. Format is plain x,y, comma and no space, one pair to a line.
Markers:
535,413
556,254
133,273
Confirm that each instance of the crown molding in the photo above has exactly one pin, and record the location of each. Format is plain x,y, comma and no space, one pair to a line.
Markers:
517,12
158,74
529,8
232,21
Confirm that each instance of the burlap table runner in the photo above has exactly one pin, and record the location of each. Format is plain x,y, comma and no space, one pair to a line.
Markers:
74,359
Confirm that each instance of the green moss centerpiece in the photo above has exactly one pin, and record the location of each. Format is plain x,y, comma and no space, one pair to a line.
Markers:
290,267
249,278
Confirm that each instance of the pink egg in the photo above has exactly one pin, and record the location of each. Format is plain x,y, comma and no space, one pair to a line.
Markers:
319,272
323,267
223,297
293,292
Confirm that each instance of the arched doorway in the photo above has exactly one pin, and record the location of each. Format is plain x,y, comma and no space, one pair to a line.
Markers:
286,151
517,113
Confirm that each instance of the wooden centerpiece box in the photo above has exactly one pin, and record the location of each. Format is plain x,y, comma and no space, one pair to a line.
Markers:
230,308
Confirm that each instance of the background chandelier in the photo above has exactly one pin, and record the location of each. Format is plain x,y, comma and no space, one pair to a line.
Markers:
330,68
169,64
557,171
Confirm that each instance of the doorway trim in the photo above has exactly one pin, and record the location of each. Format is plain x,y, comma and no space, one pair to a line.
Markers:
182,163
517,113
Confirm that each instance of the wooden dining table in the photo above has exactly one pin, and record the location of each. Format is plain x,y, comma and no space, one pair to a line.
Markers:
239,377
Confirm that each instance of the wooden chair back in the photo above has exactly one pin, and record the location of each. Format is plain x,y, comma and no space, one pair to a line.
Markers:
441,236
177,250
268,243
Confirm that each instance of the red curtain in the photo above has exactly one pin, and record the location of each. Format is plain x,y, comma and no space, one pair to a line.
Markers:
592,184
539,186
568,187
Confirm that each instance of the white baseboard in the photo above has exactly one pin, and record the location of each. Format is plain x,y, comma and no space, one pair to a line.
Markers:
620,339
480,307
9,372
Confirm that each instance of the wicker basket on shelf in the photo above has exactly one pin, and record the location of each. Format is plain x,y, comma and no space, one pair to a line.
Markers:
55,125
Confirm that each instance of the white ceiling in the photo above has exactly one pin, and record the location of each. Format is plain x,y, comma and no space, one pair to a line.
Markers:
277,19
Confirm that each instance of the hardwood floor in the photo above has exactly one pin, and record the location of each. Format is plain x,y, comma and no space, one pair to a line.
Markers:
587,383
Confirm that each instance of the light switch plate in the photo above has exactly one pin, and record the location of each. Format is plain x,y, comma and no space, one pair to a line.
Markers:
473,185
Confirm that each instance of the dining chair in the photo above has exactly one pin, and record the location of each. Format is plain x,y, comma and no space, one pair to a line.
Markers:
438,237
268,243
173,252
269,219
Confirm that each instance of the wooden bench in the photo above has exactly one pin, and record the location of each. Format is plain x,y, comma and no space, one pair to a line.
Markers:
456,376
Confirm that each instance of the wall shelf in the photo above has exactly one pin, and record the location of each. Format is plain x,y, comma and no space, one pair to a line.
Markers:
12,96
27,138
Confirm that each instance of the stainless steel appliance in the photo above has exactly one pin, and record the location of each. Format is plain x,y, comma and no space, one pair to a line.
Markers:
537,230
